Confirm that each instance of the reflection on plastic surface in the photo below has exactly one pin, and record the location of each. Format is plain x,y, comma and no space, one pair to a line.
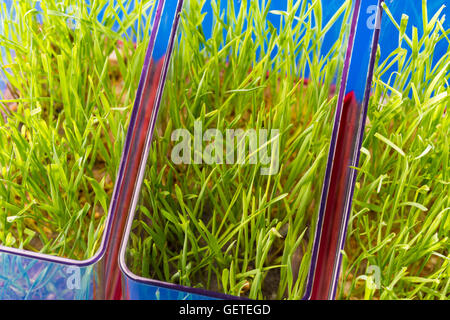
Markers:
136,287
23,278
135,290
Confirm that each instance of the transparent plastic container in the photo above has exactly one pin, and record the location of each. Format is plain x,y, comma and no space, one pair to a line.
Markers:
409,47
367,29
30,275
386,31
346,99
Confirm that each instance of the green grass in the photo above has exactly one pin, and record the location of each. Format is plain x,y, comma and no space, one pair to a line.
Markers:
400,220
62,142
225,227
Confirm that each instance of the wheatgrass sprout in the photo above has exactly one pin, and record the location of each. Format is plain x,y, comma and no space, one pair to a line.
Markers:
398,240
206,219
72,70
